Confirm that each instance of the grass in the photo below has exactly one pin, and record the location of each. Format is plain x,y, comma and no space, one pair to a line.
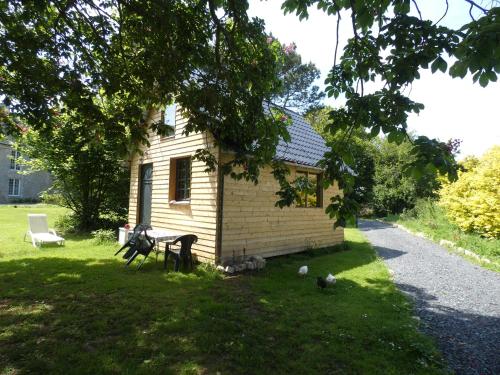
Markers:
75,309
430,219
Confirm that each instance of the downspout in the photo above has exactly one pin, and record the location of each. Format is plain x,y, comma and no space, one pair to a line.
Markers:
219,211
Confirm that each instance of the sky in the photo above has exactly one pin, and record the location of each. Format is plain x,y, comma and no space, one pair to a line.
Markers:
454,108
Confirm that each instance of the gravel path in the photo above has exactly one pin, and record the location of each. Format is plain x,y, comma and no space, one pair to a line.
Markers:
457,301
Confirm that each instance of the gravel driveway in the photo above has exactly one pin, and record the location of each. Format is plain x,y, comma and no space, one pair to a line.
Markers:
457,301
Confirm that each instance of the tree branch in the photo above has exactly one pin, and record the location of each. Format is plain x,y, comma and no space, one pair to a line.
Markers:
218,30
337,42
418,9
356,39
474,4
445,13
470,12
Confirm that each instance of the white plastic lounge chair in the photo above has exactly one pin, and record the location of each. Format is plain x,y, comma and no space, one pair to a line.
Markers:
39,230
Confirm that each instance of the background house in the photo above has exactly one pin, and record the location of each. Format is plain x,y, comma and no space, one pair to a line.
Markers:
171,190
14,186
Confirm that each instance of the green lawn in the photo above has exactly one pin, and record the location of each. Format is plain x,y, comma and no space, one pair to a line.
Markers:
76,309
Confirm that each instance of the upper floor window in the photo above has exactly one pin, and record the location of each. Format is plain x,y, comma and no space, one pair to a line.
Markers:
168,118
14,187
14,155
310,191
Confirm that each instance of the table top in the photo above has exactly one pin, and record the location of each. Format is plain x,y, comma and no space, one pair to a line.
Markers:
164,234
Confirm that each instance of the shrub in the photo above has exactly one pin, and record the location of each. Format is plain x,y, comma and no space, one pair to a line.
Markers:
24,200
48,197
67,224
424,208
103,236
473,202
394,191
112,220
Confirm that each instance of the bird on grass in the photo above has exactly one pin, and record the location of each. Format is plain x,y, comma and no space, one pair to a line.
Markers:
330,279
321,283
303,270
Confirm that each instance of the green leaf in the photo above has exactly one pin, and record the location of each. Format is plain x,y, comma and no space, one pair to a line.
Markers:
459,69
392,137
375,131
492,76
443,65
440,64
484,80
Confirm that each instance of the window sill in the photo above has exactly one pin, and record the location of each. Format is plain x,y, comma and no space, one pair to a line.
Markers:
180,203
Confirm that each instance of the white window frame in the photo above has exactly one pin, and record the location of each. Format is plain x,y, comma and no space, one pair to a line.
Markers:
14,165
13,192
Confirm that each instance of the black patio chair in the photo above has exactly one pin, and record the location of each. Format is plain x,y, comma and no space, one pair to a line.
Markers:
139,243
183,252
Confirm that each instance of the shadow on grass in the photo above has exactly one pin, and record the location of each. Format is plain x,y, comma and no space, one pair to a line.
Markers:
62,315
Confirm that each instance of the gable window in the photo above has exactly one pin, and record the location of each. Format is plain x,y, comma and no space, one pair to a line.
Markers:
168,119
14,187
310,191
180,180
14,165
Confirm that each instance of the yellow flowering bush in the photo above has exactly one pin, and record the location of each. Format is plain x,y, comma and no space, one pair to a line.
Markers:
473,201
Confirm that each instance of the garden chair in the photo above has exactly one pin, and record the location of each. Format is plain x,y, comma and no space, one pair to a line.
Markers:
183,252
139,243
39,231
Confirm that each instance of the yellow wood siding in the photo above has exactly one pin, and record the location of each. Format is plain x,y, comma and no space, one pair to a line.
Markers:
252,223
198,217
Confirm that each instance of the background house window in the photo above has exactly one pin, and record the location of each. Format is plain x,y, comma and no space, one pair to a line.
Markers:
14,187
14,155
180,179
310,191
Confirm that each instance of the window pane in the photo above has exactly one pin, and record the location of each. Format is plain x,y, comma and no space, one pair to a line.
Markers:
14,186
12,159
307,185
170,115
183,179
18,166
301,183
14,155
312,193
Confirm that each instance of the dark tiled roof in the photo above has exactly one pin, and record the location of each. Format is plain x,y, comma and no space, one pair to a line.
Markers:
306,146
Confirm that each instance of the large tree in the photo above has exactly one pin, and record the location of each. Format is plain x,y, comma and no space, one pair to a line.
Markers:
220,67
208,55
393,190
87,164
297,90
63,62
